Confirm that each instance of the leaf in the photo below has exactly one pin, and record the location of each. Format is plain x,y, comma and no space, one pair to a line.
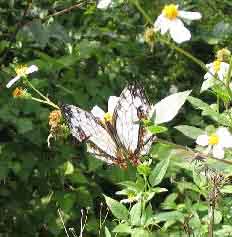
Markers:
226,189
122,228
190,131
117,208
68,168
138,232
169,216
135,213
24,125
167,108
107,232
154,129
159,171
208,111
207,84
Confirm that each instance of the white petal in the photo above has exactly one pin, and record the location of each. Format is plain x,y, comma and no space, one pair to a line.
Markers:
208,76
190,15
112,102
225,138
162,24
103,4
224,67
98,112
12,81
218,152
202,140
179,32
31,69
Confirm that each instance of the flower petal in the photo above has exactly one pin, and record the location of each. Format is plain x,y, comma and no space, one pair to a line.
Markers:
225,138
31,69
103,4
112,102
202,140
218,152
179,32
98,112
12,81
190,15
162,24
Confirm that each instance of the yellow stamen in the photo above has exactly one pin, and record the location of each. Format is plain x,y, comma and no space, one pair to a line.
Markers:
213,139
108,117
170,11
216,65
21,70
18,92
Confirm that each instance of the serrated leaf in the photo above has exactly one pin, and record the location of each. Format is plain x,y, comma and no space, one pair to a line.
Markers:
159,172
135,213
117,208
190,131
167,108
68,168
139,232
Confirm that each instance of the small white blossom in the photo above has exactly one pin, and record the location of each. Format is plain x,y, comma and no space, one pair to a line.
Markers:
104,4
217,68
100,114
216,143
169,20
22,71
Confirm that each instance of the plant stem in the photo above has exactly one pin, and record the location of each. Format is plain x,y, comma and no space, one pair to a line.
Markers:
211,219
46,102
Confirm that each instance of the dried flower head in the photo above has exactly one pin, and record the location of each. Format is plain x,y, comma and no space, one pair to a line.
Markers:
149,36
223,55
55,118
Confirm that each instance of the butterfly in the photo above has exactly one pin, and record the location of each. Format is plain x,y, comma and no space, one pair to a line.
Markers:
118,135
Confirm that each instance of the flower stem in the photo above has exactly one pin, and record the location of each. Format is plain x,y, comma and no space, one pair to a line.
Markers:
45,102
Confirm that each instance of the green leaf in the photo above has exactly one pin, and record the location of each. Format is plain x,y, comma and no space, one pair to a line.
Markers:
68,168
190,131
167,108
135,213
139,232
159,171
226,189
169,216
122,228
154,129
107,232
117,208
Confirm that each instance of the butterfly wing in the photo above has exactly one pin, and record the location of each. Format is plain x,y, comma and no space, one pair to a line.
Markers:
85,127
132,106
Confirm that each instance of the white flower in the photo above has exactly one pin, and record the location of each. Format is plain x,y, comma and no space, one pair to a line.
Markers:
169,20
217,68
22,71
217,142
100,114
103,4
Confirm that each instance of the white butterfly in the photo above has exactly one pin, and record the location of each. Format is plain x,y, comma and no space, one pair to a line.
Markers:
118,135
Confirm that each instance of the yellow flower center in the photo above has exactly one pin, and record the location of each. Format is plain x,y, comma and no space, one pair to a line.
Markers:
213,139
170,11
108,117
21,70
216,65
17,92
55,118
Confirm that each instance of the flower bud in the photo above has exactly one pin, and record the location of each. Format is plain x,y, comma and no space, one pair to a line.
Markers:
223,55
